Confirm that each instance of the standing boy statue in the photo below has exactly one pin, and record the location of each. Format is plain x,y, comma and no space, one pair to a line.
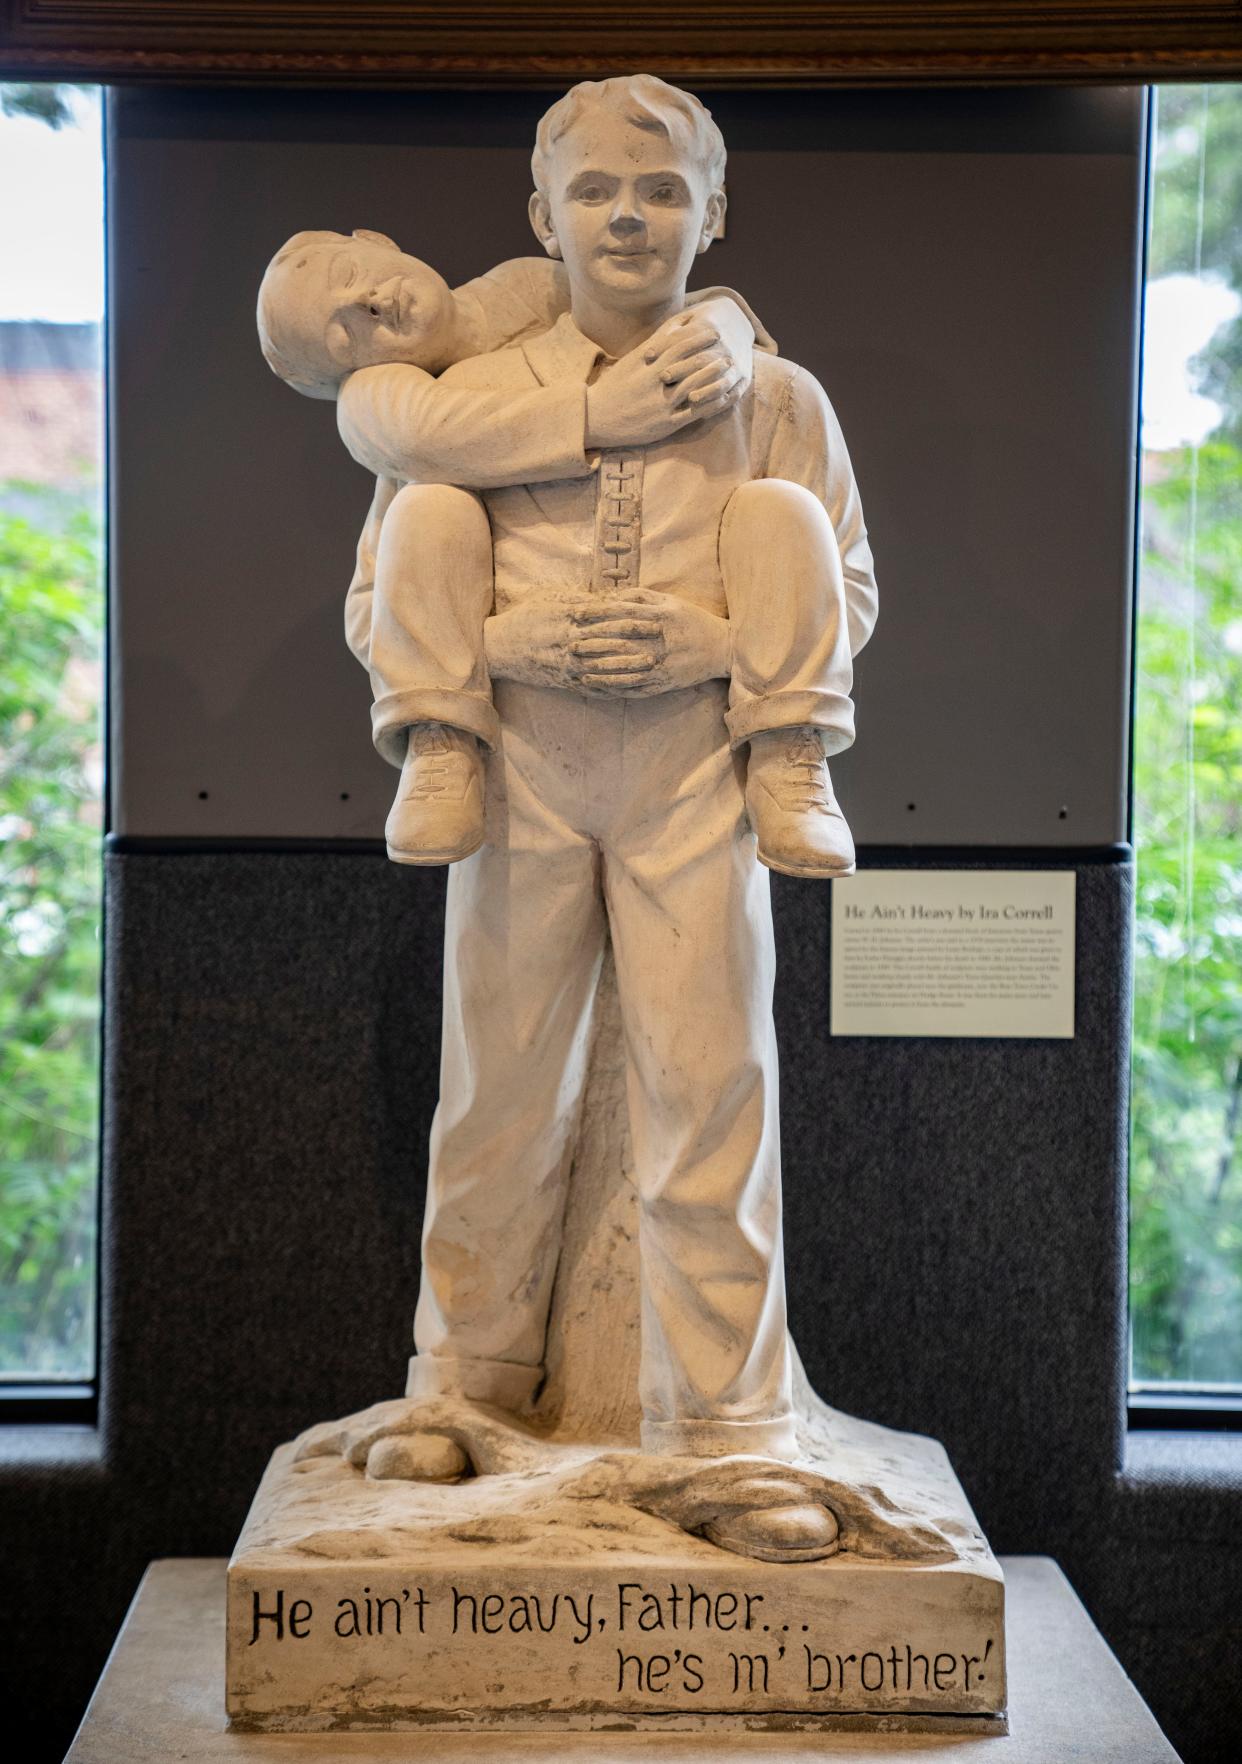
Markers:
610,691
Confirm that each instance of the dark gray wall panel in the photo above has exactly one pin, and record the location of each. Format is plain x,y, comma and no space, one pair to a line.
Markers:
959,269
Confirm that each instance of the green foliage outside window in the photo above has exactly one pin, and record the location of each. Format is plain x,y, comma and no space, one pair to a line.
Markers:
51,777
51,615
1186,1171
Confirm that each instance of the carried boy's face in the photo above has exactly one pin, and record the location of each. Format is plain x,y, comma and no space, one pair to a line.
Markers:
627,210
374,303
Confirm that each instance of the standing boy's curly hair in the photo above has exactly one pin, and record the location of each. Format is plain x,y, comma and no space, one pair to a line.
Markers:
650,104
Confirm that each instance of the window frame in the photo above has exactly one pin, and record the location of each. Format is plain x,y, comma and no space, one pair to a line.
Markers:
819,42
76,1401
1176,1406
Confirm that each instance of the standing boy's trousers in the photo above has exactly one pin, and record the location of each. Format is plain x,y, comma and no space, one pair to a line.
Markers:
625,817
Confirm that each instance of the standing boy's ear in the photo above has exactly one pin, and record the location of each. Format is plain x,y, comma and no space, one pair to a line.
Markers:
541,220
713,220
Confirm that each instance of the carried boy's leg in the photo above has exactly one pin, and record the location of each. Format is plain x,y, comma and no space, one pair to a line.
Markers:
433,706
789,694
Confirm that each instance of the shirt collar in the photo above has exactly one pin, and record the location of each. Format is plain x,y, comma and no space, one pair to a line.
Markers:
563,353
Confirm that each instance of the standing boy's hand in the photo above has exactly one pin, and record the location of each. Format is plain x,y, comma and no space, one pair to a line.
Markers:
647,643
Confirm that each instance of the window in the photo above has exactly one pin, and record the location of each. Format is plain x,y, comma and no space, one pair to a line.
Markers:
51,745
1186,1160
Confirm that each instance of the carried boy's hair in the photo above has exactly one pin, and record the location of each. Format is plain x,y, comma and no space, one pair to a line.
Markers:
301,361
647,102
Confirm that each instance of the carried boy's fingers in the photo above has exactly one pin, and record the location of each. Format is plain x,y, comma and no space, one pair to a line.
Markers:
695,349
708,401
726,390
676,373
711,381
699,413
680,336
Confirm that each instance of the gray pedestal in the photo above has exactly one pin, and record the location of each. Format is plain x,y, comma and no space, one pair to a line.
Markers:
162,1697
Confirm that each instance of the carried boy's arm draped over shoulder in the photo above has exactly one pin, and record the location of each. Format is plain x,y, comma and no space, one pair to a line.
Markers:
526,295
808,448
518,298
399,422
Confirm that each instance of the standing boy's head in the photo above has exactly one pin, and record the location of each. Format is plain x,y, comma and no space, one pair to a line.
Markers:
629,187
332,302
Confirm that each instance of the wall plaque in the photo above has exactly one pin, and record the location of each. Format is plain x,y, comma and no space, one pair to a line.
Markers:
954,952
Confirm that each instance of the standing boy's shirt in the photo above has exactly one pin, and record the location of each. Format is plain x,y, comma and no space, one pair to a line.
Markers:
661,504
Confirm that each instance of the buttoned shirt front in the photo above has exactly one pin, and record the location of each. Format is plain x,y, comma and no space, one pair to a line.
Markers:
650,517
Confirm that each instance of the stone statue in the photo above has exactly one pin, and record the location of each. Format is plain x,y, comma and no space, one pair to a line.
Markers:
608,596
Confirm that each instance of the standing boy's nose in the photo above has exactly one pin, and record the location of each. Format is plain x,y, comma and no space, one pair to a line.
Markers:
624,219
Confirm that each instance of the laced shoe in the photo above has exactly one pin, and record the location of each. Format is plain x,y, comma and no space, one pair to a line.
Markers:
437,817
798,825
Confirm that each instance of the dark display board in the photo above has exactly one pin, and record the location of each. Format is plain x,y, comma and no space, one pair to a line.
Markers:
960,270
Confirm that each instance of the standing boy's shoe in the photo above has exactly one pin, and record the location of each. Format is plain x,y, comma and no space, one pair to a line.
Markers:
438,815
800,829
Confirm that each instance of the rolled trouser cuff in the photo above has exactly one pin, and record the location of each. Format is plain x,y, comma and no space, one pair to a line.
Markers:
721,1439
500,1382
832,713
392,715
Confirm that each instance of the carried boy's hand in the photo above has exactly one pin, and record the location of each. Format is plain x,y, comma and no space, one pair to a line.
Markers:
697,364
714,335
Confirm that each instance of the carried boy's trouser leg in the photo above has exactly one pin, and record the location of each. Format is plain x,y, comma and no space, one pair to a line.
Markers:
433,590
782,579
786,597
636,805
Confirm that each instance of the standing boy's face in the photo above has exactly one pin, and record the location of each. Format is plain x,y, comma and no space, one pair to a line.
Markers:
626,209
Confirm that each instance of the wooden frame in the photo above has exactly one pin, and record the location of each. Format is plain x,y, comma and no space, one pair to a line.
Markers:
713,42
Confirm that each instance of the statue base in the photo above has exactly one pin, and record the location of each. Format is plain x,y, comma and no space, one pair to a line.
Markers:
567,1588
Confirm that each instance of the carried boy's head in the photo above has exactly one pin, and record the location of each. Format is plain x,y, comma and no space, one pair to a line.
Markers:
333,302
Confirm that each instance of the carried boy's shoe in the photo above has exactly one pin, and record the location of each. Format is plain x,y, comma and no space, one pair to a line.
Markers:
438,815
799,827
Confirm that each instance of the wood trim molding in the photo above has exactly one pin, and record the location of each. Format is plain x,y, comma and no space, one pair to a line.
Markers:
546,42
